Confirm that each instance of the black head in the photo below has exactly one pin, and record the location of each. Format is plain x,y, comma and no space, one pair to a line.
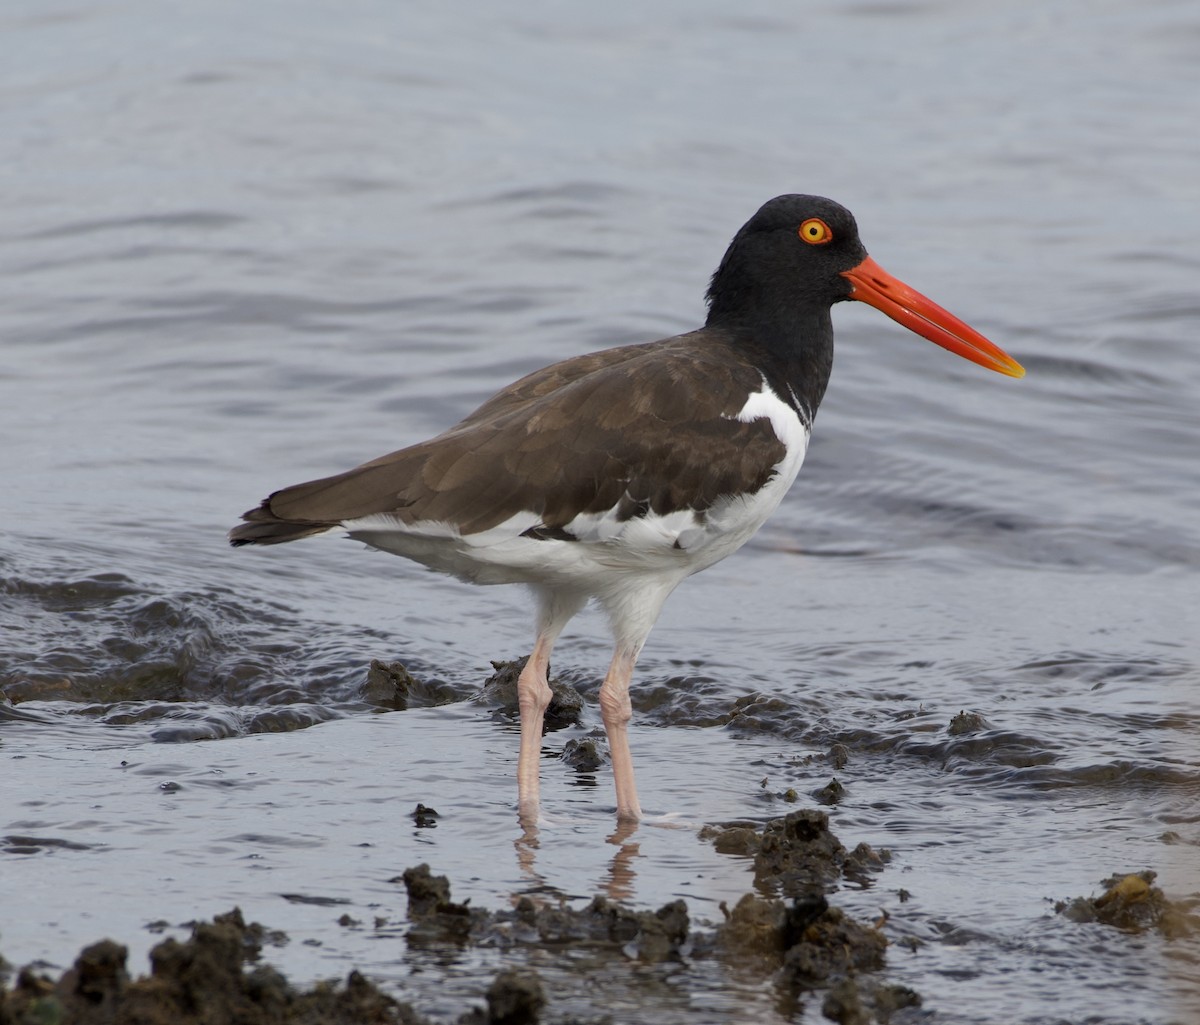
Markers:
788,259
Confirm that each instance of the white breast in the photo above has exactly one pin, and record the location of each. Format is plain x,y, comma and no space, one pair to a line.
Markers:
732,521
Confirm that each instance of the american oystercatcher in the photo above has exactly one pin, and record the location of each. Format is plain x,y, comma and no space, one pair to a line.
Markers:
615,475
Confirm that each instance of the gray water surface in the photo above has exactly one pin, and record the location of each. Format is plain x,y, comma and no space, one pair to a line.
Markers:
247,245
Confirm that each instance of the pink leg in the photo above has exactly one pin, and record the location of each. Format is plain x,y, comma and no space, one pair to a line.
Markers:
555,608
616,711
533,695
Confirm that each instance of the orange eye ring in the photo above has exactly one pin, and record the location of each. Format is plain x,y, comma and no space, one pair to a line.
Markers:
815,232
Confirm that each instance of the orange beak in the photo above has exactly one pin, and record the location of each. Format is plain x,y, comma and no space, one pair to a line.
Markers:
871,284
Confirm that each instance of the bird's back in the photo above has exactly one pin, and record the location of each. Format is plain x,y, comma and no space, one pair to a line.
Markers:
629,448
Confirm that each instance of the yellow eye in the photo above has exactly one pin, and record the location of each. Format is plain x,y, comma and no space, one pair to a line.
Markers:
815,232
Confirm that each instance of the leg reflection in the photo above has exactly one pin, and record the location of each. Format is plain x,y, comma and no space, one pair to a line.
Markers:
621,873
618,881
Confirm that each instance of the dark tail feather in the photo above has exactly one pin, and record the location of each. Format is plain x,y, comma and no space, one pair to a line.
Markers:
262,527
320,505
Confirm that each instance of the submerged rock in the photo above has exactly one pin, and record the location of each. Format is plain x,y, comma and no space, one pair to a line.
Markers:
965,723
582,755
831,793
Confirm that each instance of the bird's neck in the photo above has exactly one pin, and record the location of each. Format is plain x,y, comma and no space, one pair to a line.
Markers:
793,349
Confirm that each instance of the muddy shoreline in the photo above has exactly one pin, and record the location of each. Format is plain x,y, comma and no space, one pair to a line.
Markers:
543,958
787,932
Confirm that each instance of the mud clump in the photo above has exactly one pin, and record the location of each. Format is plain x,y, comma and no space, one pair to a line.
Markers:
813,946
649,936
828,945
425,817
809,944
428,895
436,919
199,982
500,689
1134,904
850,1001
812,941
514,998
391,687
204,981
797,855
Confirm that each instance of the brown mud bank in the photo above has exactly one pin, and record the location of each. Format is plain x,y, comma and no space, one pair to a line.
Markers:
787,934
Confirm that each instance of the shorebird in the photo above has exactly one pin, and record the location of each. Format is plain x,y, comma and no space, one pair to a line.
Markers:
615,475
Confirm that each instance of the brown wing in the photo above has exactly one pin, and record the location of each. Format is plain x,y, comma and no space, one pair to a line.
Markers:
642,428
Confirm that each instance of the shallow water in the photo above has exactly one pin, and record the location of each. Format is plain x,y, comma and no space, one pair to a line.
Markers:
241,248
